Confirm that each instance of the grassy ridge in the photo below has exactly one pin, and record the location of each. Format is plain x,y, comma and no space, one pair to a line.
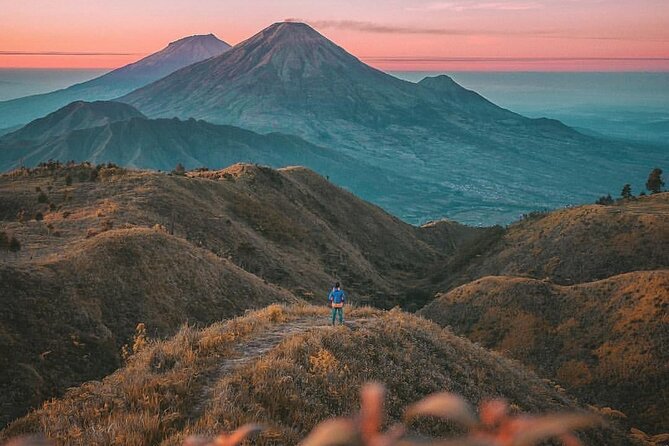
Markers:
605,341
199,381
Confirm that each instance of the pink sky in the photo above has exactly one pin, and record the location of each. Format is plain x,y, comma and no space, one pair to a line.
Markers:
547,35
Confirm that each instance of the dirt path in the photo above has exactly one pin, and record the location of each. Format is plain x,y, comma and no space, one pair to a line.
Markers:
253,348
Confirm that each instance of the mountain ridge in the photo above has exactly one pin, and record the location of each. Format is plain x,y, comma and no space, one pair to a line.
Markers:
461,153
175,55
107,131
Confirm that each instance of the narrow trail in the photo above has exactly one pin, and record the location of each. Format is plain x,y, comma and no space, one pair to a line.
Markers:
255,347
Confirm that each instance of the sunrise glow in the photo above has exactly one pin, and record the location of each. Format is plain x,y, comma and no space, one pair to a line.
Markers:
526,35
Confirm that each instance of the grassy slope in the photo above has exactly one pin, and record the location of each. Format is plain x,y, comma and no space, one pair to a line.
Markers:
605,341
194,382
102,260
63,321
289,226
571,245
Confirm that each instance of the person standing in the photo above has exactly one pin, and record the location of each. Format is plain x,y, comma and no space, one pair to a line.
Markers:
337,298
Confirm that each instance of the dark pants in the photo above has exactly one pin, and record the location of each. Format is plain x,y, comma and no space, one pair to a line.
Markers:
341,315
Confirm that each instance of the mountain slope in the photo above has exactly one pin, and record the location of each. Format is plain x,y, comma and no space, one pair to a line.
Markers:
290,226
90,299
106,131
605,341
291,69
176,55
464,157
117,247
572,245
284,367
75,116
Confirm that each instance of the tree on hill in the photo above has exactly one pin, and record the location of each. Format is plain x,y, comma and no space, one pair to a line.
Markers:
179,169
655,183
626,193
605,200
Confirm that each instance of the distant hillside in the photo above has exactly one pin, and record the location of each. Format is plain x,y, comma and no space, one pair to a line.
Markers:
604,341
74,116
107,131
569,246
462,156
116,83
97,257
289,226
286,368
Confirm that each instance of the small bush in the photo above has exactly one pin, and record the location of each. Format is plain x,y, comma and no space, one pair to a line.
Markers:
39,216
606,200
179,169
626,193
42,197
655,182
534,215
68,180
14,245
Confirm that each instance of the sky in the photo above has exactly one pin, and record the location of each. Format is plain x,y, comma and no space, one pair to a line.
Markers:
411,35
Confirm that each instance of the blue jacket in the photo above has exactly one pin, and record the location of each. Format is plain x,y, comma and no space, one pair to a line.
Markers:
337,296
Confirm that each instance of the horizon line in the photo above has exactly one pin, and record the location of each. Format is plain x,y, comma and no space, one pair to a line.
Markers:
374,58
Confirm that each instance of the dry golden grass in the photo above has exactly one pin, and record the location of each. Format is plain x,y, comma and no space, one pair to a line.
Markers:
64,320
605,341
570,246
102,260
285,368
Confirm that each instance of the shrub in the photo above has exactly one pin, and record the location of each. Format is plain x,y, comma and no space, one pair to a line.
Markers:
606,200
68,180
14,245
93,175
655,182
139,341
9,243
179,169
39,216
534,215
42,197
